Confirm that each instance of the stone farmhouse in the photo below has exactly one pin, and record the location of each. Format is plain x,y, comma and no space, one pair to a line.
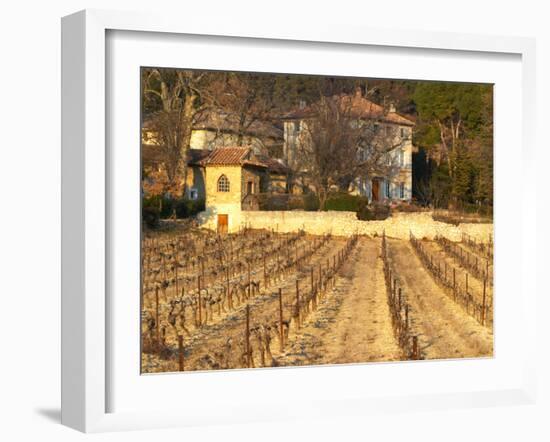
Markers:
391,129
230,176
215,130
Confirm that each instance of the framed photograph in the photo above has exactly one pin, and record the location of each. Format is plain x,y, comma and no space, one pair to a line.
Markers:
282,223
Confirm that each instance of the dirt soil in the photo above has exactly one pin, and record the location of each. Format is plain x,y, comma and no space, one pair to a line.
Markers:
353,325
445,330
475,285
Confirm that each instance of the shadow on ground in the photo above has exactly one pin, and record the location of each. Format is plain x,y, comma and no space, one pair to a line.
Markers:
51,414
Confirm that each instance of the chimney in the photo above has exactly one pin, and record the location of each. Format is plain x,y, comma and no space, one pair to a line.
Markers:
302,104
391,107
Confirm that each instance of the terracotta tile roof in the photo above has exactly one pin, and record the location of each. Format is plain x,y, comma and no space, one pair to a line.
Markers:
243,156
232,156
360,108
223,156
227,156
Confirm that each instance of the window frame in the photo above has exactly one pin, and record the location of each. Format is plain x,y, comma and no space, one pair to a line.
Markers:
223,181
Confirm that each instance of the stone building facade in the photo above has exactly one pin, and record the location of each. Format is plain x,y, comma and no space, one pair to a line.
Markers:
215,130
389,129
210,135
233,177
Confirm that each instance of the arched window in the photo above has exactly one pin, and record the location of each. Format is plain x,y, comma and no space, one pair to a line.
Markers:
223,184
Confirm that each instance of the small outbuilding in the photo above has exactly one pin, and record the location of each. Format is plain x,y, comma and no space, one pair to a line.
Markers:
233,179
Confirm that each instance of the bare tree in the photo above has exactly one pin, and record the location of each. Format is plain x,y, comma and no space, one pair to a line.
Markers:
339,145
175,98
244,99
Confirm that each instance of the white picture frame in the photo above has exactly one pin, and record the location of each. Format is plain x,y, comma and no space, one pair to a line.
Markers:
85,310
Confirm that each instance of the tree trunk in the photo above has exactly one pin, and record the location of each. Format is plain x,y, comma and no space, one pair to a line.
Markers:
323,195
187,115
445,147
241,129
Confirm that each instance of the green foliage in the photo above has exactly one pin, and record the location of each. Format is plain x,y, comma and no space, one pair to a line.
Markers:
150,216
468,163
440,185
311,202
464,177
443,101
165,207
285,201
186,208
273,202
344,202
373,212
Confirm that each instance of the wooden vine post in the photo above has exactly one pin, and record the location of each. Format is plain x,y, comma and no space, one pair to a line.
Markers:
454,282
157,319
176,274
249,280
229,295
281,332
200,299
484,305
298,304
180,353
399,300
247,336
265,274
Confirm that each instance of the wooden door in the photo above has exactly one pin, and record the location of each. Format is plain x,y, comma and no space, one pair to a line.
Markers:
375,190
222,224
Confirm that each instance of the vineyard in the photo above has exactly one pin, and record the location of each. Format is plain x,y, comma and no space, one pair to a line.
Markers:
259,298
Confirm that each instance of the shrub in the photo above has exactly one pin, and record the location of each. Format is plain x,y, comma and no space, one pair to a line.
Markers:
407,207
186,208
373,212
345,202
150,216
296,203
273,202
311,202
165,207
285,201
196,206
182,208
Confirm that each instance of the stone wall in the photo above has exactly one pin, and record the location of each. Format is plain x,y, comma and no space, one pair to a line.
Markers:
346,223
